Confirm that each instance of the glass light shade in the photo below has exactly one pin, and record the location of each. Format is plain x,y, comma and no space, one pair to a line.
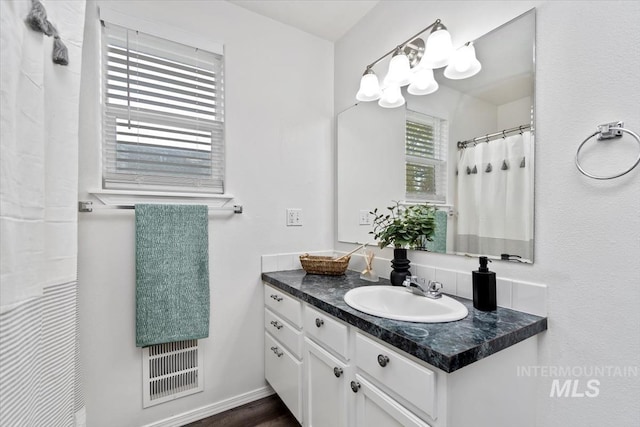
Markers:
399,70
369,88
463,63
391,97
438,50
422,82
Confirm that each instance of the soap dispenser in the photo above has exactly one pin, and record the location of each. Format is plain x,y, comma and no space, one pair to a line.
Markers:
484,287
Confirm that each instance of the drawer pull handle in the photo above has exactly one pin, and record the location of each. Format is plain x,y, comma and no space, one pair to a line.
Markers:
337,372
276,297
355,386
276,324
276,351
383,360
319,322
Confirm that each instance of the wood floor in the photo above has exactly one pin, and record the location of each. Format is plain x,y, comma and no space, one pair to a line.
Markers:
267,412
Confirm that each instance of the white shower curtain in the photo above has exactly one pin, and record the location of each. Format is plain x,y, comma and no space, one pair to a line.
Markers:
495,197
38,218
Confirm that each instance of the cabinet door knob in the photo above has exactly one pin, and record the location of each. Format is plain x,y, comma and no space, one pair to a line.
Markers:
337,372
355,386
383,360
276,324
319,322
276,297
276,351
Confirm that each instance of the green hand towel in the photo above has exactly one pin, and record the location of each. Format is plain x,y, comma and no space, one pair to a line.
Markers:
439,242
172,273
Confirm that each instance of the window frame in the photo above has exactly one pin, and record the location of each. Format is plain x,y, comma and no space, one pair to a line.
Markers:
160,189
440,135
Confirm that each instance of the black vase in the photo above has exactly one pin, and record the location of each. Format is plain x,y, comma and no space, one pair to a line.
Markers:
400,265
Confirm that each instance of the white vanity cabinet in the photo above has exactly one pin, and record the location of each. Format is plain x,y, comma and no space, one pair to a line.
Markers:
283,347
326,330
393,388
374,408
405,379
314,362
332,374
327,388
327,370
410,392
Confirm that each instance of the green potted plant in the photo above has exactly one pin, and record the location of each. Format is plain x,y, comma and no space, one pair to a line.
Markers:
403,227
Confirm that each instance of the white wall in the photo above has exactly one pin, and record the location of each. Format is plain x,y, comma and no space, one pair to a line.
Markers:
372,141
279,110
514,113
587,232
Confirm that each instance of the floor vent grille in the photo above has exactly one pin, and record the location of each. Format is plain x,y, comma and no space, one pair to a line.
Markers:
170,371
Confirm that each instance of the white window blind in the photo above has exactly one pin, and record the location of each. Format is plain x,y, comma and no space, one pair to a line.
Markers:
163,118
426,158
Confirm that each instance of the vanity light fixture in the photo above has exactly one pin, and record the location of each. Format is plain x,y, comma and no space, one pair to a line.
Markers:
412,63
423,82
369,87
463,64
399,69
439,47
391,97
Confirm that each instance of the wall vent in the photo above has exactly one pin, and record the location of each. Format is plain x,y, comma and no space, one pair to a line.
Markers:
170,371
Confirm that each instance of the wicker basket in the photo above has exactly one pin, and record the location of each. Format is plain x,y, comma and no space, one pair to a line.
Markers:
324,264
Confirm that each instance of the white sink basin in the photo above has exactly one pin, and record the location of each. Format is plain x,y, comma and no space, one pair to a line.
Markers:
399,303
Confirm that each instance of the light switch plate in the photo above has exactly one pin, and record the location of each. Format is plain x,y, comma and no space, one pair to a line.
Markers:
364,217
294,217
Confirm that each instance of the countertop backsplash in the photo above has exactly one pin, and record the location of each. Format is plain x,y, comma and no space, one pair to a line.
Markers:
515,294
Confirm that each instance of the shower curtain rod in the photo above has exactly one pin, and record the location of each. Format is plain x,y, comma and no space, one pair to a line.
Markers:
492,136
86,206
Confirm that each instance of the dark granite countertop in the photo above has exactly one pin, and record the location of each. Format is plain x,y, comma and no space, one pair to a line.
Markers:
448,346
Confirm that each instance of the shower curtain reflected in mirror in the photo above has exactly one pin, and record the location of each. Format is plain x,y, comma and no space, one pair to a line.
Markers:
495,197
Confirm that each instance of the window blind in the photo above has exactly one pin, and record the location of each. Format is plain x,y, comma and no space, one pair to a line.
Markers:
426,157
163,118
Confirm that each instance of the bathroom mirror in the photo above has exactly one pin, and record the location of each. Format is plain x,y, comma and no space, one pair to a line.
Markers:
484,192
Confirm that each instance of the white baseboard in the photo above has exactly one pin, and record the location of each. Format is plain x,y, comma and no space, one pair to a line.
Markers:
213,409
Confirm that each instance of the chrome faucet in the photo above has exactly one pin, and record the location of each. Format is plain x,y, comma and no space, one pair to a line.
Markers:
417,286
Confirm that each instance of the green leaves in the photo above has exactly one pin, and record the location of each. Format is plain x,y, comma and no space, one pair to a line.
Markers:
404,226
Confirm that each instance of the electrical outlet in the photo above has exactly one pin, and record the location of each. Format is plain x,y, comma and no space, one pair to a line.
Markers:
365,217
294,217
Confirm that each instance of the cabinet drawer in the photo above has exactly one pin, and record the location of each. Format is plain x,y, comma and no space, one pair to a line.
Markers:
326,330
283,332
283,305
284,374
412,382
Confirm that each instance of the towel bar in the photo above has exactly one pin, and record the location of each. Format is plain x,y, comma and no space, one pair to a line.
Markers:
87,206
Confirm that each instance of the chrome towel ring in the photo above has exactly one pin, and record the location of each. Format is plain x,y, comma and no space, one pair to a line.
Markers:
608,131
